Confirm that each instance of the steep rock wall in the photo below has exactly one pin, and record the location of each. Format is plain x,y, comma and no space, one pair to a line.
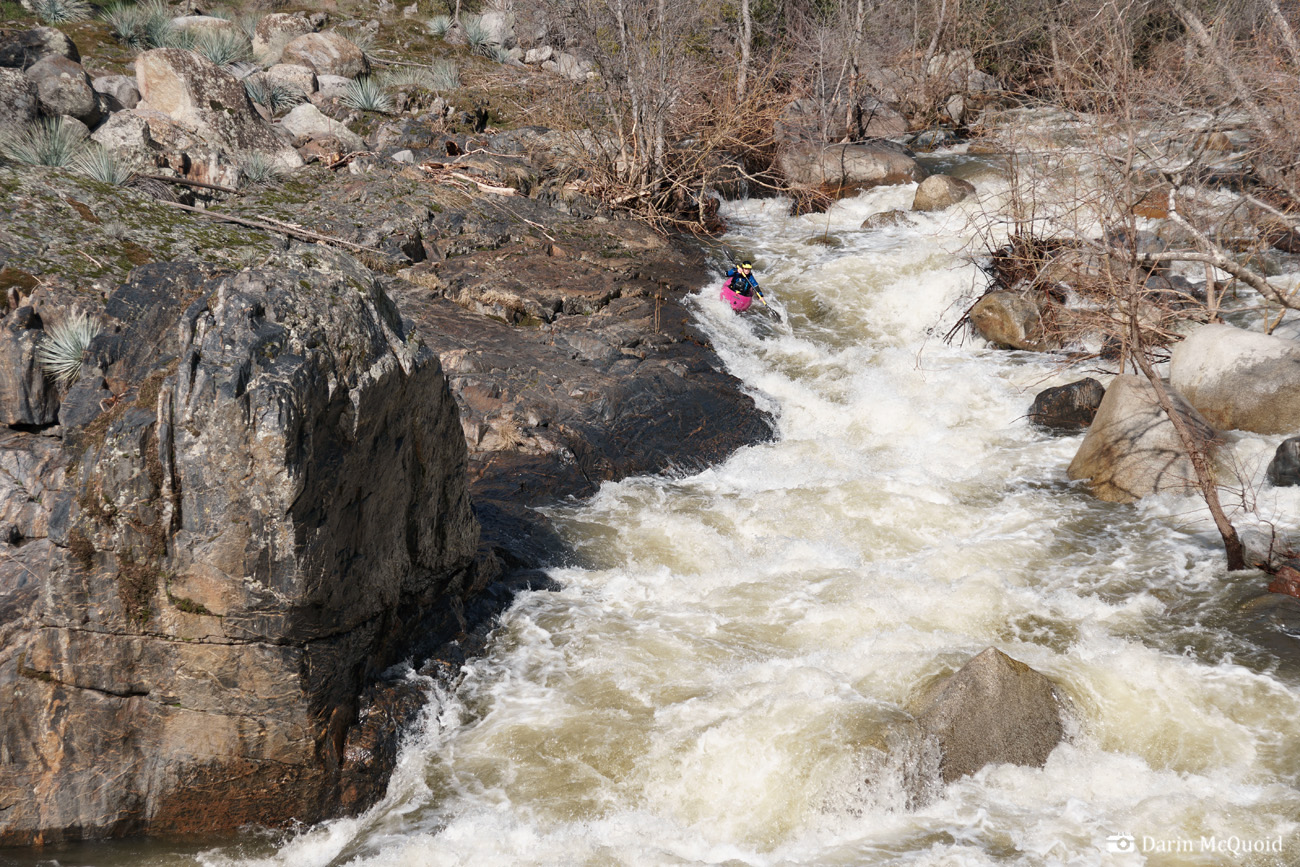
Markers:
259,505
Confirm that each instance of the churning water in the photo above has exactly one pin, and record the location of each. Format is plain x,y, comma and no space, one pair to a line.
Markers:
725,683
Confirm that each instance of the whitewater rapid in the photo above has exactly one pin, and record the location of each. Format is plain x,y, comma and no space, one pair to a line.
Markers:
724,682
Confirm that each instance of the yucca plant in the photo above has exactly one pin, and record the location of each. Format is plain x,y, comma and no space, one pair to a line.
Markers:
61,11
126,22
408,77
274,97
49,142
445,74
366,94
223,47
477,35
63,346
256,168
440,25
103,165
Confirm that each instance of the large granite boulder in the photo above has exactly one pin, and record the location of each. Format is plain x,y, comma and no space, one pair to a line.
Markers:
1132,449
856,166
23,49
267,507
1068,408
809,120
939,192
326,53
209,102
19,102
64,88
995,709
274,31
1013,319
1240,380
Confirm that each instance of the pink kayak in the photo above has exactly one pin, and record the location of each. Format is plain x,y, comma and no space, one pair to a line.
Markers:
738,302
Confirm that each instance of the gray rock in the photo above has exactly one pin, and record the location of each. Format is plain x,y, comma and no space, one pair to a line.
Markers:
1012,319
1240,380
994,710
208,101
939,192
120,91
274,32
856,166
306,120
126,134
500,28
300,79
1132,449
64,89
235,554
331,86
19,102
327,53
1284,469
539,55
197,24
1067,408
25,48
27,396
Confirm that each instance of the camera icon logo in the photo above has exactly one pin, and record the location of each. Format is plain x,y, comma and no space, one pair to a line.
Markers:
1121,843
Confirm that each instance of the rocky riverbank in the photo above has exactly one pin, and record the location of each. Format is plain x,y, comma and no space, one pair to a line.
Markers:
282,467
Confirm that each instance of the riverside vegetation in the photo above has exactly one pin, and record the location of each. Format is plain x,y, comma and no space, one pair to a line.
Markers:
306,308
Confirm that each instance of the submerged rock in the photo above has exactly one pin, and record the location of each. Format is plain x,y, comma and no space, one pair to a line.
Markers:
1132,449
1240,380
995,709
1067,408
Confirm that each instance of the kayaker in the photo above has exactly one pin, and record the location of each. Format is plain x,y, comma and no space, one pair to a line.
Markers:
741,281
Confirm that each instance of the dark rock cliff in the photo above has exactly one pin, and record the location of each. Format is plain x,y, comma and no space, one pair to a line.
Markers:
262,498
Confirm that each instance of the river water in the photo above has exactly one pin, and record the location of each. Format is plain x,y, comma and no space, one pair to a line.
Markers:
724,682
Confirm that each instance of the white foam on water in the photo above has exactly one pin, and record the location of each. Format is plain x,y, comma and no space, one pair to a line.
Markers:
730,681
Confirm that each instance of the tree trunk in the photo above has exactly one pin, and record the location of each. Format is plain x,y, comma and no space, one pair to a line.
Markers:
746,40
1196,451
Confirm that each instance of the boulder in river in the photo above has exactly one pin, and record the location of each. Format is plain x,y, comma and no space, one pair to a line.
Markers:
995,709
1012,319
849,166
1132,449
1284,469
1240,380
1067,408
939,192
